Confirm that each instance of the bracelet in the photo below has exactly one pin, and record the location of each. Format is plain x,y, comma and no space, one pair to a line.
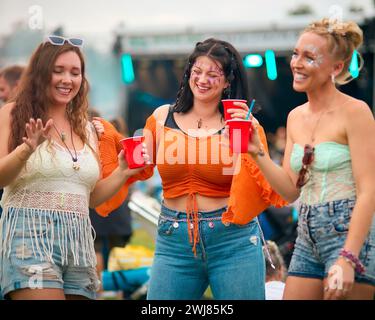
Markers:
349,256
349,261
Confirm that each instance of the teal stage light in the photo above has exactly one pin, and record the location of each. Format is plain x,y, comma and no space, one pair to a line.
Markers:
253,61
271,65
127,68
354,68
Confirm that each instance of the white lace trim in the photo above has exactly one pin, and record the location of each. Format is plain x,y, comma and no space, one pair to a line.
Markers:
328,186
48,200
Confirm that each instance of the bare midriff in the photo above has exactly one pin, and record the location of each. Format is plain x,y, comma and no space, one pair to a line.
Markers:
204,203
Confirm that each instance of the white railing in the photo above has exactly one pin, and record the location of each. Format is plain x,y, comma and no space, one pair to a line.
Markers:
145,207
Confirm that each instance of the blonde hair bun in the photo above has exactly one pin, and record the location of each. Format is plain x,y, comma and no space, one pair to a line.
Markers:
343,38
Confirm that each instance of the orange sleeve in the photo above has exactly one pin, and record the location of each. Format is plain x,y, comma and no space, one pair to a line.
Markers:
149,131
109,148
250,192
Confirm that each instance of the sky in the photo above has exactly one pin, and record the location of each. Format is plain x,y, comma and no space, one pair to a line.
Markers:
104,17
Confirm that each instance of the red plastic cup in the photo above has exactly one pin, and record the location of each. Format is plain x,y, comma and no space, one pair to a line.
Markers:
240,133
133,151
228,104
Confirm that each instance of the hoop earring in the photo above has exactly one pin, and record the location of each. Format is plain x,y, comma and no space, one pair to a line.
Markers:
333,78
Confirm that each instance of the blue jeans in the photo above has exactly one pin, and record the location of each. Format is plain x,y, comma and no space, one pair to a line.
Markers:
229,259
322,231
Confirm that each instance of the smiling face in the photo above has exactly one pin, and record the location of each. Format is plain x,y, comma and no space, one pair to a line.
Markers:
207,80
312,64
66,78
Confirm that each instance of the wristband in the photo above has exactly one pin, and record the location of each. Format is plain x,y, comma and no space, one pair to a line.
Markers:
356,263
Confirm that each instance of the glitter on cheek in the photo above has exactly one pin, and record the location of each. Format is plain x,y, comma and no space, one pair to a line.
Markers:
218,70
210,81
319,59
213,81
195,79
194,76
311,62
317,62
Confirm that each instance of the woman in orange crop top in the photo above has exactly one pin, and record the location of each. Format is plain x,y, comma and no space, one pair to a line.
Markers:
201,240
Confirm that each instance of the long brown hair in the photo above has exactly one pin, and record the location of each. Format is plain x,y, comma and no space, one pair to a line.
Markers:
33,97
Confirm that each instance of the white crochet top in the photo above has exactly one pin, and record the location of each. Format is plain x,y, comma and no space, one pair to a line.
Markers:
49,188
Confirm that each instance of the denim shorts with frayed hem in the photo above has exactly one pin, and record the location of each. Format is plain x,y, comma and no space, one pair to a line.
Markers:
322,231
23,264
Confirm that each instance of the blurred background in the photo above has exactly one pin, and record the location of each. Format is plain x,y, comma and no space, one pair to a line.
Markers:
135,53
154,39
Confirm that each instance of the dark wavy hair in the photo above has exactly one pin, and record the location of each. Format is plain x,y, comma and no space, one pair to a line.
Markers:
33,96
234,71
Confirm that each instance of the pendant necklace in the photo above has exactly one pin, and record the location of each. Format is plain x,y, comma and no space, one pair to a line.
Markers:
199,123
62,136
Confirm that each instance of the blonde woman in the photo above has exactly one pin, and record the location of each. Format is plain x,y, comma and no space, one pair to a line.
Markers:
329,163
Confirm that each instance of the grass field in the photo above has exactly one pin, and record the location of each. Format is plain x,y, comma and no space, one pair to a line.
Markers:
141,237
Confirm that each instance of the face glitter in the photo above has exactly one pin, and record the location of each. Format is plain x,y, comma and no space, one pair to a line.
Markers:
214,74
318,58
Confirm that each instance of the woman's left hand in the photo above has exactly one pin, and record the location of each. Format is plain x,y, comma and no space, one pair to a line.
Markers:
239,113
340,280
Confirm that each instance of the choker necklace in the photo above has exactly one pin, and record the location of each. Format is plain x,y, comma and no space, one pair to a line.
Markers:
62,136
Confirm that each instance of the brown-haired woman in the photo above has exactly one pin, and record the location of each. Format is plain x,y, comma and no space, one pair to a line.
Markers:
206,235
328,163
50,173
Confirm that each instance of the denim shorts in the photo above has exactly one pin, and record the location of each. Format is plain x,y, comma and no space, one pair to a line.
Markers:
322,231
23,263
229,259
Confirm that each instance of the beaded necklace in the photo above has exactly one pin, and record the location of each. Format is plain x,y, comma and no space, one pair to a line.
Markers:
62,136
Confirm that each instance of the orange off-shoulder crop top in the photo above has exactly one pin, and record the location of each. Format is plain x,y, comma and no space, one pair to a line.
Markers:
189,165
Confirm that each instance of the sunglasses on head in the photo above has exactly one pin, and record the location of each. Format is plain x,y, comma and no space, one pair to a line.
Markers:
59,41
308,158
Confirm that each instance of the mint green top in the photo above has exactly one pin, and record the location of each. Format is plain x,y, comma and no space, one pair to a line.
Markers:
331,175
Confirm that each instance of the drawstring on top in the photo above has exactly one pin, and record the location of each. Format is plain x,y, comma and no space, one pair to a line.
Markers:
265,245
192,214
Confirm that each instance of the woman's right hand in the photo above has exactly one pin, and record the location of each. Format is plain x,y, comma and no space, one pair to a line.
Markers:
36,133
255,144
124,165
